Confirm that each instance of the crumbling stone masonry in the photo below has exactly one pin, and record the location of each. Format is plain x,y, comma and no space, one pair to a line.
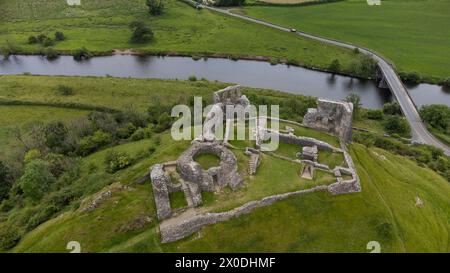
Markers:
160,182
226,174
331,116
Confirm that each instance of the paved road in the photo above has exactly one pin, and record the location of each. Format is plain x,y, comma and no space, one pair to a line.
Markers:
419,131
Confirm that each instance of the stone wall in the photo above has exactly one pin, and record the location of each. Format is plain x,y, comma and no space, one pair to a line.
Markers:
174,232
331,116
160,182
301,141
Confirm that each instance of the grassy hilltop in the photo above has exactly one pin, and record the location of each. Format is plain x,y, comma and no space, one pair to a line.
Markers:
384,211
414,35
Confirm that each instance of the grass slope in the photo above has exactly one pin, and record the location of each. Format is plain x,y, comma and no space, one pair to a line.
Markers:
102,26
413,34
384,211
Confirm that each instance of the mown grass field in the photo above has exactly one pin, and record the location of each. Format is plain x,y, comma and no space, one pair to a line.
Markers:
414,34
102,26
384,211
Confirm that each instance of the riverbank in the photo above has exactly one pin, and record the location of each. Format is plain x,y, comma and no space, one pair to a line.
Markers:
179,31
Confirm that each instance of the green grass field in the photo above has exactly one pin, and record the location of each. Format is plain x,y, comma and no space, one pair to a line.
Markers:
414,34
102,26
384,211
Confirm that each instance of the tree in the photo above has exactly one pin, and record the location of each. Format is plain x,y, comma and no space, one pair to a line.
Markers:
155,7
437,115
446,82
335,66
141,32
59,36
392,108
356,100
36,180
55,136
397,125
5,181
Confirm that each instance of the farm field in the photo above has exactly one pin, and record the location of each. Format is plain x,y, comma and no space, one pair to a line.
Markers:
414,35
103,26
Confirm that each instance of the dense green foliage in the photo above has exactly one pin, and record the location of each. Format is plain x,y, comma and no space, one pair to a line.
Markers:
141,32
155,7
438,117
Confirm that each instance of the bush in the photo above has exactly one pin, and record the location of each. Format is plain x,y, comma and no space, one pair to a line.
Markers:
141,133
192,78
36,180
392,108
397,125
56,133
82,54
437,115
5,181
9,237
32,40
125,131
116,161
48,42
64,90
356,100
141,32
410,77
365,67
335,66
91,143
32,155
446,82
50,53
155,7
375,114
59,36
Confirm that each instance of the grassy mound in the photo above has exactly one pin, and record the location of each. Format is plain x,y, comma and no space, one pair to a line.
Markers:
384,211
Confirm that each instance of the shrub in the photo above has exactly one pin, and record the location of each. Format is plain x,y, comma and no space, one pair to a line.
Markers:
9,237
36,180
356,100
192,78
335,66
50,53
116,161
48,42
446,82
141,32
32,40
82,54
56,133
64,90
5,181
397,125
41,38
392,108
91,143
32,155
375,114
126,131
155,7
59,36
410,77
141,133
437,115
